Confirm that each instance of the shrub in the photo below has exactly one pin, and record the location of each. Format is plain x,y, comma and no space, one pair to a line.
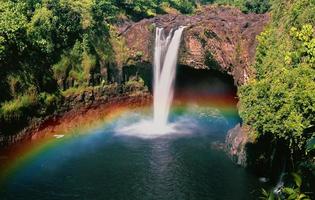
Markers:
17,108
135,84
279,102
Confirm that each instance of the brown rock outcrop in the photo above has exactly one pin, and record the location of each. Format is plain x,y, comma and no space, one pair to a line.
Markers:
215,37
236,141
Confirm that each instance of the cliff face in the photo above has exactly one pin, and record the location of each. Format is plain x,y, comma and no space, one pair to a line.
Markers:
215,37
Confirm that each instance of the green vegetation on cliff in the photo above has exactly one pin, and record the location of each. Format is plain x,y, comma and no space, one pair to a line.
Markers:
279,103
48,46
247,6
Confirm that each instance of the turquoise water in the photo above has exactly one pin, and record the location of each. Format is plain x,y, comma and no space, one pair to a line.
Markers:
104,164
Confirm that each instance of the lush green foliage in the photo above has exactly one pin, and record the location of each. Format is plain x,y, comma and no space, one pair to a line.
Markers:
14,109
46,43
43,42
294,192
289,193
247,6
47,46
280,101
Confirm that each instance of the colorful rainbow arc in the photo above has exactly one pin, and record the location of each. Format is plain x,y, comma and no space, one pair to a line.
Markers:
18,156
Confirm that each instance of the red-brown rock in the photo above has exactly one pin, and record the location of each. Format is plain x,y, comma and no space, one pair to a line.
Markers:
215,37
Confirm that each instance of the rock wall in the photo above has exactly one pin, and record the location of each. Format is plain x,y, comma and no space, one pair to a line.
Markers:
223,38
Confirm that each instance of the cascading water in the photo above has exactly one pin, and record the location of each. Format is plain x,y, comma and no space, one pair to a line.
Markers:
165,61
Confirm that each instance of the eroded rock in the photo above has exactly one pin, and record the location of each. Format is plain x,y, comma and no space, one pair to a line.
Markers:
215,37
236,141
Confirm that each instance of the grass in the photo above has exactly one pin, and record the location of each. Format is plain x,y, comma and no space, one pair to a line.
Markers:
76,90
17,107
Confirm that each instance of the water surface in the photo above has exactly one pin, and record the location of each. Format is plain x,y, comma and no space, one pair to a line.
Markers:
105,164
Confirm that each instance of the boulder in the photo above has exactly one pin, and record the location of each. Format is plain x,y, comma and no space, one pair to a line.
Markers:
236,141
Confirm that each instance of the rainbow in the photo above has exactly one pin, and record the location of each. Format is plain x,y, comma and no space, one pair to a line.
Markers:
73,126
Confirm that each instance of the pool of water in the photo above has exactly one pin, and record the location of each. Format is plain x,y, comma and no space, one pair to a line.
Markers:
104,164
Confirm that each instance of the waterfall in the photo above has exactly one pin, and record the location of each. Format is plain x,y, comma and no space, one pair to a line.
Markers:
165,61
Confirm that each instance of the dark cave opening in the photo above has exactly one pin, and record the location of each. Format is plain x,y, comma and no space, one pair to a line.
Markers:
193,83
190,83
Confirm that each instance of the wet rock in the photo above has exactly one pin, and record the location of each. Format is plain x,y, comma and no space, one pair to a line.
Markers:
236,141
79,98
89,96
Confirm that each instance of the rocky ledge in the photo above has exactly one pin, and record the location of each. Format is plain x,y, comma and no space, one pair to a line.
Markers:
94,99
223,38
